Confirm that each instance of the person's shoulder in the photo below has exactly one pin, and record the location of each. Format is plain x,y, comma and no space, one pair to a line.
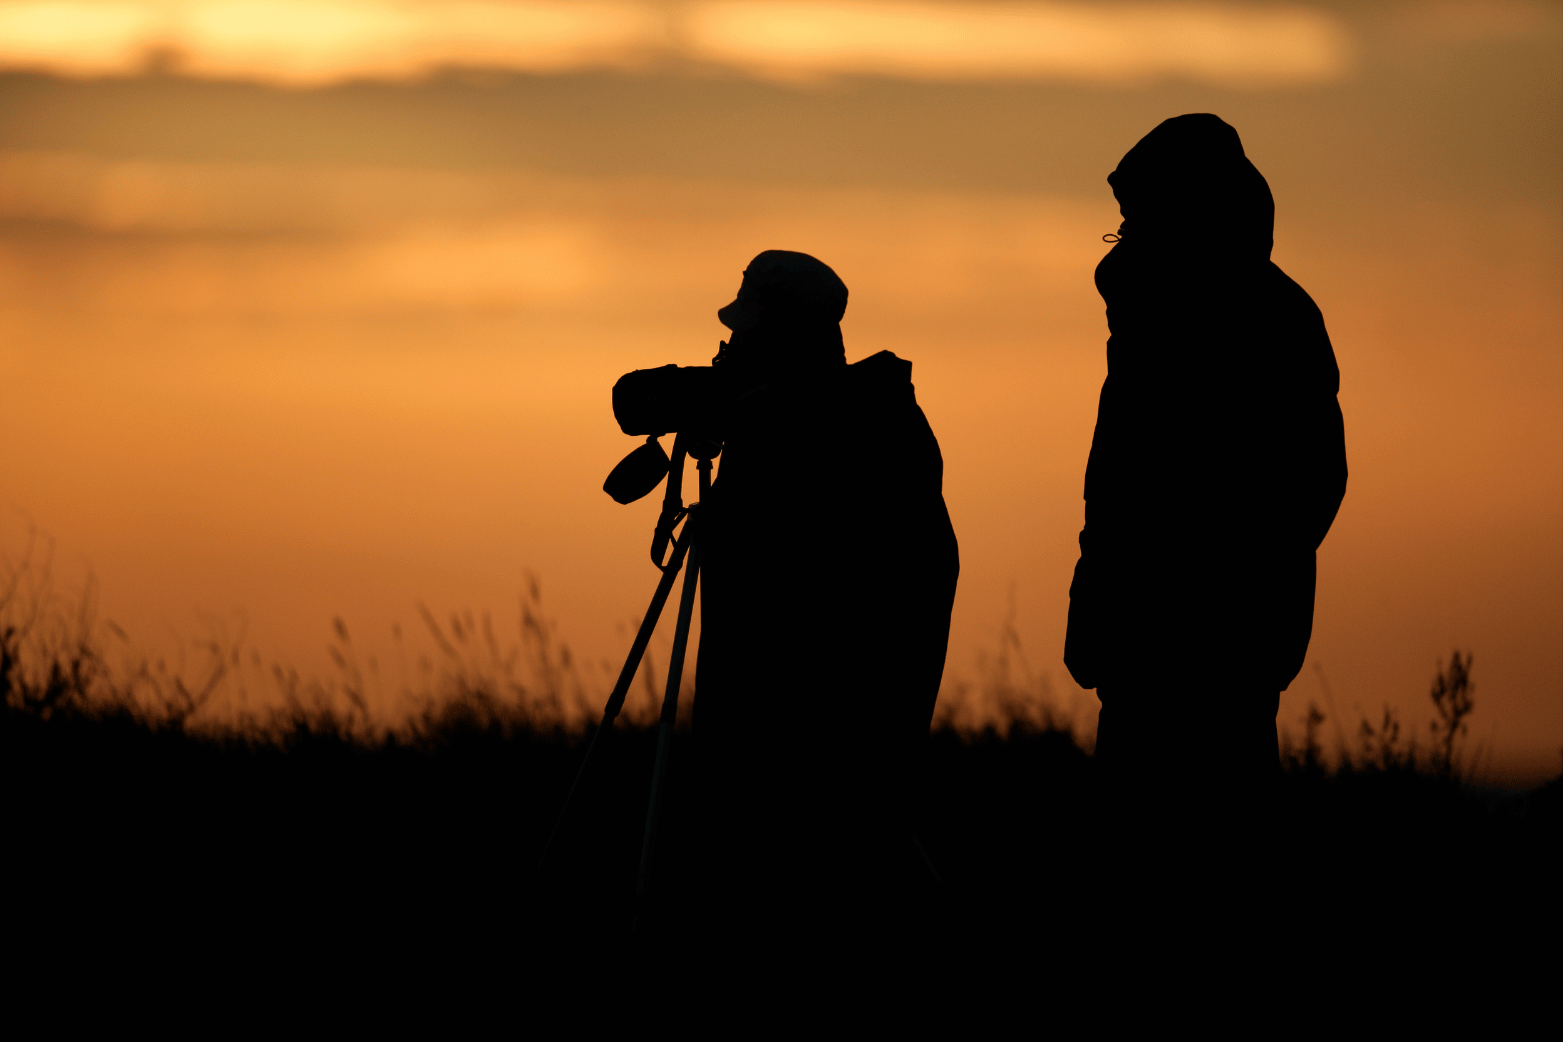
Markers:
1310,341
883,372
1289,290
879,393
881,408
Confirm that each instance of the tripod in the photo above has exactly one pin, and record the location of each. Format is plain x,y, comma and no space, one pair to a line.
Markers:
685,551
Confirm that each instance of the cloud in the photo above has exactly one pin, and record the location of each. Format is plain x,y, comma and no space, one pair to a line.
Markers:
316,42
1219,43
1479,21
243,237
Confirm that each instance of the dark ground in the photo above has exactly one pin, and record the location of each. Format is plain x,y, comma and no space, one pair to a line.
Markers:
310,848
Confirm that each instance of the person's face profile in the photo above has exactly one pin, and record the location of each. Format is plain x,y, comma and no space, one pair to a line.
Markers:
739,350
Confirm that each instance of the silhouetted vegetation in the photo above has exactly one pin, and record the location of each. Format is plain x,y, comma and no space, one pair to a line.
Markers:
307,821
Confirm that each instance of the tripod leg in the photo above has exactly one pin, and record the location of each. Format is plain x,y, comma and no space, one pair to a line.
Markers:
686,607
648,625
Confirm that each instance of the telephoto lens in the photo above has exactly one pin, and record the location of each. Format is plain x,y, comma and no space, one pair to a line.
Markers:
659,401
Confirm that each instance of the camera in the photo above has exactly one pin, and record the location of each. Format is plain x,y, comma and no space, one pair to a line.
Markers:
655,402
670,398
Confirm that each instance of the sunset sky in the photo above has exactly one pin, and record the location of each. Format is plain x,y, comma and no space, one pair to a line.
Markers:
311,309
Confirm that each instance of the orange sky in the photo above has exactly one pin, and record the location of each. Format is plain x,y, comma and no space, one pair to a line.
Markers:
305,346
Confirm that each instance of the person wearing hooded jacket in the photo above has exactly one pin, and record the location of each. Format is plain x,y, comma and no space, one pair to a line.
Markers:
1217,466
827,568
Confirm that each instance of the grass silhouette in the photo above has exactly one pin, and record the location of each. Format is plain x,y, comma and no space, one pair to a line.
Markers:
310,819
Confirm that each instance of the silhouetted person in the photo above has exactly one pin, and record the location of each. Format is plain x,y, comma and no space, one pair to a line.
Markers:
828,570
1216,469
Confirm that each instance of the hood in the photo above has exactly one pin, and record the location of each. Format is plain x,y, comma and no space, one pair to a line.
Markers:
1188,186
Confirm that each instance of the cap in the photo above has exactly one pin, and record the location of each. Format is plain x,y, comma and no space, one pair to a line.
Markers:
781,287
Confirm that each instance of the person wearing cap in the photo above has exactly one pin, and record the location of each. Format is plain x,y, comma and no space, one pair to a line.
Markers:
1217,466
828,571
